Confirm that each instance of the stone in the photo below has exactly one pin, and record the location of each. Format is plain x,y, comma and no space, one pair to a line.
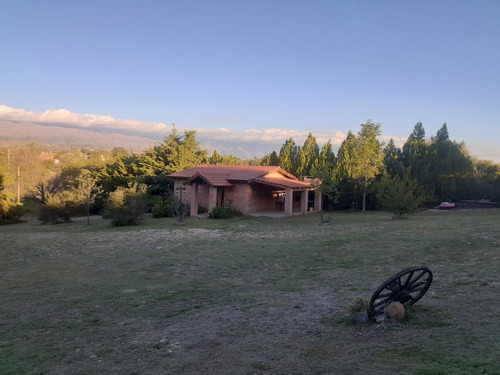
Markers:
395,311
360,318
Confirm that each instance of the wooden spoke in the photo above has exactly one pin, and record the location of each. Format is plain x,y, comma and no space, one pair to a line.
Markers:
407,287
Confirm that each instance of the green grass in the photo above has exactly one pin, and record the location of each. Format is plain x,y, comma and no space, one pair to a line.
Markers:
247,295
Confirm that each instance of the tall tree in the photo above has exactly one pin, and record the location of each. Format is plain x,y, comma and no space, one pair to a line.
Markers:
323,170
271,159
325,162
392,159
415,156
289,154
121,173
215,158
173,155
87,189
360,157
448,164
308,155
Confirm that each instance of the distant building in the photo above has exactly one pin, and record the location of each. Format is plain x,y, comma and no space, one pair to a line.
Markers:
46,156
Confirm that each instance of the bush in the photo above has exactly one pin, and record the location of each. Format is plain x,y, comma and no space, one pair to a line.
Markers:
164,208
58,209
359,305
10,211
126,206
54,214
224,213
11,214
399,195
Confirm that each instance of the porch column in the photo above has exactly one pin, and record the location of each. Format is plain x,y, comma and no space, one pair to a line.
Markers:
212,198
194,199
288,202
317,201
304,201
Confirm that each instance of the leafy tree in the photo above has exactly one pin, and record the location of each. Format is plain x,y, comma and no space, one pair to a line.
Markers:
324,164
400,195
87,189
271,159
60,181
289,156
175,154
308,156
121,173
215,158
120,152
360,157
323,170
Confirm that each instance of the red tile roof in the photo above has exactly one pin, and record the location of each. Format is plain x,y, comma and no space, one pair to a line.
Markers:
223,175
235,172
214,179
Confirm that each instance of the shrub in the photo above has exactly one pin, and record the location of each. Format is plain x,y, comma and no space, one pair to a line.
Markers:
11,213
224,213
164,207
54,214
359,304
400,195
126,206
58,209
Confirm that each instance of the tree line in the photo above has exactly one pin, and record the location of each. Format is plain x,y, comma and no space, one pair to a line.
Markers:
365,174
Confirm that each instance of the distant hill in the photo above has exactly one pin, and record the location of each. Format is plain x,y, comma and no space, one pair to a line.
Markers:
20,133
14,133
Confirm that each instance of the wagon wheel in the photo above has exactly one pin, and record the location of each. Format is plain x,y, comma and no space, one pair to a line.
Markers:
407,287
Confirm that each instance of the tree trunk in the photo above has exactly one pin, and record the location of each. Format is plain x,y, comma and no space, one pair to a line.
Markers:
88,212
364,199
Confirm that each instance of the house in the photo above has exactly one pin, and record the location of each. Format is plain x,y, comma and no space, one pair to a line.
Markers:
249,189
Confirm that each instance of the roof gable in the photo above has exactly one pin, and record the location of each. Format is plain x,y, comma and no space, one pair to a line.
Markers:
224,175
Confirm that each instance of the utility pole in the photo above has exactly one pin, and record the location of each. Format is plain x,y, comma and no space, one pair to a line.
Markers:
18,185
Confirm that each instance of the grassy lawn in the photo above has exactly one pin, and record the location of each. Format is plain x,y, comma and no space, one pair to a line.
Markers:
248,296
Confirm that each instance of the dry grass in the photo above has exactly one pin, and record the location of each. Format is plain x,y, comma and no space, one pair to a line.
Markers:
247,296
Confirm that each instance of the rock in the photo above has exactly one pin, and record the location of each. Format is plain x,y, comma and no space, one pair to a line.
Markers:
360,318
395,311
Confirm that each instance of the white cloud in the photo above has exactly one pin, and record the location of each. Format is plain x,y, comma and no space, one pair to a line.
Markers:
63,117
398,141
271,135
259,141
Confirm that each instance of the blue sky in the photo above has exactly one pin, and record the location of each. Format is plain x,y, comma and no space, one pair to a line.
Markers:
319,66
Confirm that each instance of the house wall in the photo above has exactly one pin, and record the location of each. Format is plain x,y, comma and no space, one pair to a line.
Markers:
261,198
297,201
242,196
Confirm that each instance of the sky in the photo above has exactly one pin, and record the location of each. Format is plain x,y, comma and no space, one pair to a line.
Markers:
247,70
